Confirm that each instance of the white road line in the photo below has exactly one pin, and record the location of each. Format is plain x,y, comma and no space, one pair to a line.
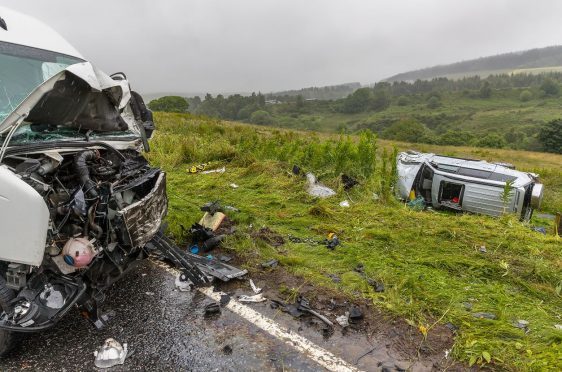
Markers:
314,352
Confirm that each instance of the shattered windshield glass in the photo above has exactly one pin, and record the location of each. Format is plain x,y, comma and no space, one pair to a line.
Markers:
22,69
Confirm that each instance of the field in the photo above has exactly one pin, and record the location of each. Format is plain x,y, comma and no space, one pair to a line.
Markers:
501,113
430,262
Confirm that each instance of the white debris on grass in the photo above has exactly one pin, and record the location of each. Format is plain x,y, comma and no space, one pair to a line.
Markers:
254,298
110,354
220,170
254,287
343,320
344,204
234,186
317,189
182,285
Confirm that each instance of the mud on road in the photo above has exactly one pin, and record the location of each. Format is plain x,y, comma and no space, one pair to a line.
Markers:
167,330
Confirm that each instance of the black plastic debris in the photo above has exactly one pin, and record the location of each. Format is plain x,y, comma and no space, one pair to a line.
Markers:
212,243
212,309
270,264
212,207
225,299
355,314
332,242
348,182
300,308
227,350
296,170
360,268
378,286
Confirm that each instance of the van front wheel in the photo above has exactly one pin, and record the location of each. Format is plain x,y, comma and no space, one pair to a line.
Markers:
8,340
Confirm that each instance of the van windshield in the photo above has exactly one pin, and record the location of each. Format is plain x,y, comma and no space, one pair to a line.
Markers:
22,69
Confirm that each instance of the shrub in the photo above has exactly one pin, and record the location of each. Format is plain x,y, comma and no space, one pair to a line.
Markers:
433,102
492,140
525,96
550,135
403,101
261,117
169,104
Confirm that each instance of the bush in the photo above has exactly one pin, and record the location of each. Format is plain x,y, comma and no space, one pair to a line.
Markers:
433,102
550,87
261,117
403,101
492,140
169,104
525,96
550,136
407,130
485,90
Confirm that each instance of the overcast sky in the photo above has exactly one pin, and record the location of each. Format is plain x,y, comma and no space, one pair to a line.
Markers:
266,45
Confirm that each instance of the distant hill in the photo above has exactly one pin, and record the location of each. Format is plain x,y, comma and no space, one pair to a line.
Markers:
528,61
327,92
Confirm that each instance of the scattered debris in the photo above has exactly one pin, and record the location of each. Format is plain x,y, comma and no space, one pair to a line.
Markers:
344,204
540,229
378,286
355,314
360,268
521,324
194,249
212,243
224,300
225,258
110,354
417,204
271,263
485,316
212,207
149,293
334,277
182,283
254,288
558,326
376,196
212,221
296,239
467,306
212,308
348,182
254,298
234,186
301,306
317,189
296,170
227,350
343,320
332,241
482,249
219,170
197,168
453,328
269,236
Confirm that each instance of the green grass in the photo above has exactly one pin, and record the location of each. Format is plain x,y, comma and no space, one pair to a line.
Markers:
428,261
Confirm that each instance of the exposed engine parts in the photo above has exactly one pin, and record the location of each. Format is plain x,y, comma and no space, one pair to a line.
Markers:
104,207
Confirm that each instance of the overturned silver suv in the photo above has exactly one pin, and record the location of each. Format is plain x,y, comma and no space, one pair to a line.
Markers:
468,185
78,202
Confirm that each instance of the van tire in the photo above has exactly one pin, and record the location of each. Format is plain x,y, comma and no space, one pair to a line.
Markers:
8,340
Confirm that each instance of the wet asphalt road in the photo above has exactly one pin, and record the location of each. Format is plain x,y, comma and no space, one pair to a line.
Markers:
164,329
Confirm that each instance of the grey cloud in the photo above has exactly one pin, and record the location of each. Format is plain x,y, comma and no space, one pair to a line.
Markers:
265,45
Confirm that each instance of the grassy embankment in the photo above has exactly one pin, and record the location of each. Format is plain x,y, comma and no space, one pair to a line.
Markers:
429,261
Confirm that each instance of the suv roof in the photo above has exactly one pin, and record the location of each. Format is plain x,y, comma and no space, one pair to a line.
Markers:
25,30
